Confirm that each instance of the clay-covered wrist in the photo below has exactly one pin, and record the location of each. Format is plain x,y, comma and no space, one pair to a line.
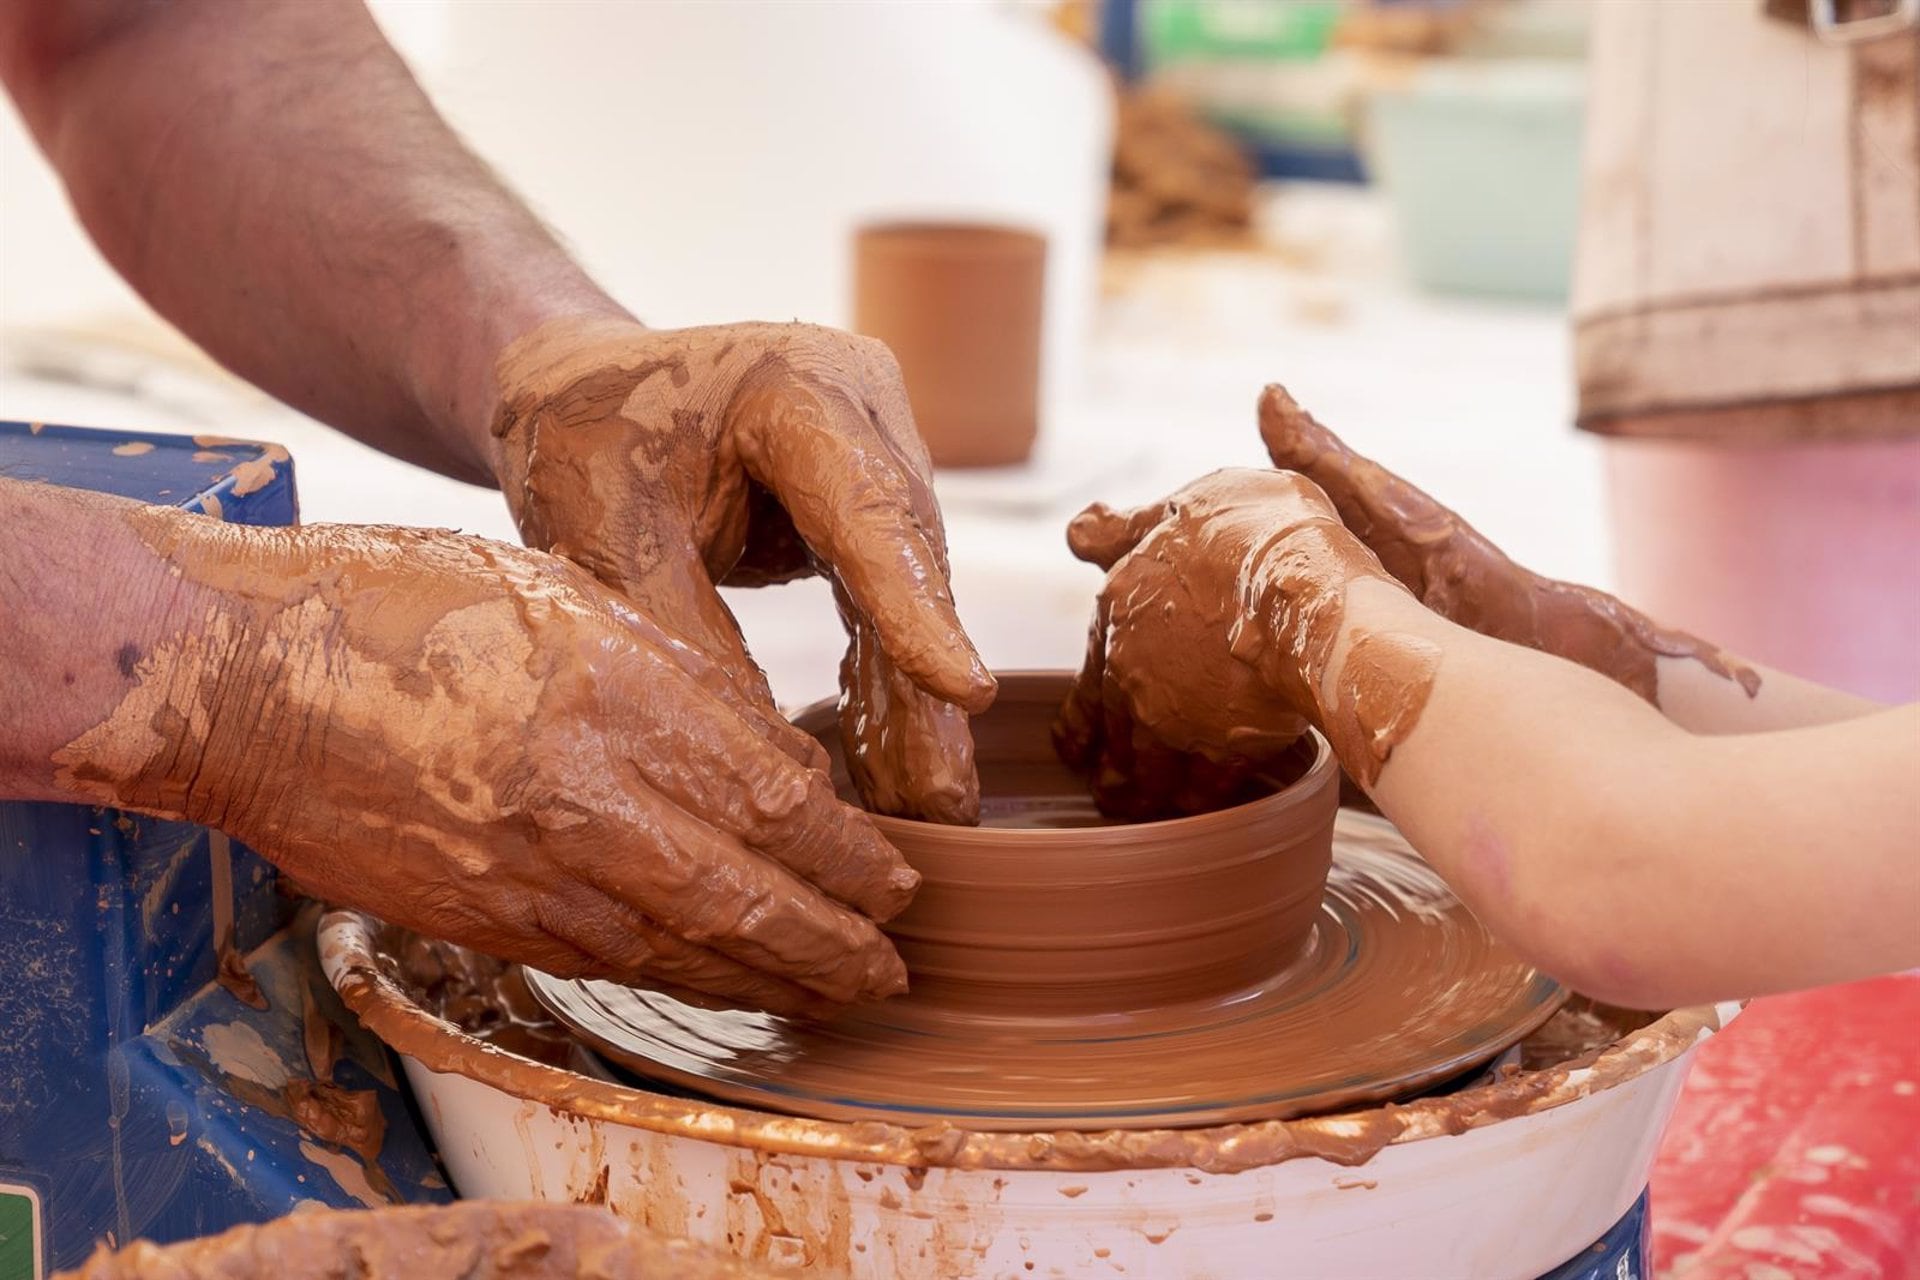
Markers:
70,652
1341,639
1293,608
569,371
196,729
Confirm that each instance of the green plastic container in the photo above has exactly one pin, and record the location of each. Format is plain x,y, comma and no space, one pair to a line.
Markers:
1480,160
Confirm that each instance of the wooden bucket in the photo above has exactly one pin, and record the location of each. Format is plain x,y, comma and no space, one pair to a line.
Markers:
1749,258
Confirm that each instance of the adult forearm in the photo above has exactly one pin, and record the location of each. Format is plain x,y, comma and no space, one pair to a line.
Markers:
81,604
272,179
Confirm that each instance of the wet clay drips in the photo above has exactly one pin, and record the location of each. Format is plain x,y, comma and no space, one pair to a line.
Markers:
475,1240
482,743
1455,571
668,462
1383,688
1217,629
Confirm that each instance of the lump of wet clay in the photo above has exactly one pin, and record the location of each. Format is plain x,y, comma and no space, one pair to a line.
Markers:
474,1240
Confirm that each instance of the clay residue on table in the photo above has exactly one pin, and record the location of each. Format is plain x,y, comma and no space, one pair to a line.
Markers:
476,1240
349,1118
1455,571
230,970
233,974
372,989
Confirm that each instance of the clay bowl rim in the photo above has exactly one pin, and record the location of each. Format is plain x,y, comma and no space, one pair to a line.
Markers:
345,940
1119,840
953,237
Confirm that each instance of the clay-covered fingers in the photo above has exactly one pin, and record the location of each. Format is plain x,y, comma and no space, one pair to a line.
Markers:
909,753
705,887
1130,771
605,938
718,765
679,588
1081,724
1295,440
1101,535
853,496
1402,525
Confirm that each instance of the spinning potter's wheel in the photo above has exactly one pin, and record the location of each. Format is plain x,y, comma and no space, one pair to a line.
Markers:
1071,975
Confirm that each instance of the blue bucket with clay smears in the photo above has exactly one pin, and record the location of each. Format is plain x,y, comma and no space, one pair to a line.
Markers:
157,1005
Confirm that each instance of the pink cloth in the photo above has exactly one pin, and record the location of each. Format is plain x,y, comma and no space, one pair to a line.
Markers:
1795,1149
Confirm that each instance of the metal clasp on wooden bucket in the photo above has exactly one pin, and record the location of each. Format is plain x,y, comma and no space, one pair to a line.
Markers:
1842,22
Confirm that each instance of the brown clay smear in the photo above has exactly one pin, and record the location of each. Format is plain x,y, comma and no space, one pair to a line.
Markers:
1384,683
1296,602
1455,571
1351,1138
907,754
461,715
477,1240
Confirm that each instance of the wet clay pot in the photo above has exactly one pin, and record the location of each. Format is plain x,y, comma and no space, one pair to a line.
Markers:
1047,908
960,305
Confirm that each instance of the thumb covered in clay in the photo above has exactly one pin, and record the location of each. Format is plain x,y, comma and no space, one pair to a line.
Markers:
1100,535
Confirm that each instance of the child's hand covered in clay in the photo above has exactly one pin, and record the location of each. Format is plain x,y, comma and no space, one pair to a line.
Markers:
667,462
1211,639
1677,831
482,743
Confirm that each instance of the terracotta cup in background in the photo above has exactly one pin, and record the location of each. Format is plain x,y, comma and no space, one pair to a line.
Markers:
960,304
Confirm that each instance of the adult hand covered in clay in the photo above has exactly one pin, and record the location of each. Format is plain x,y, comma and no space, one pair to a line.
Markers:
1211,640
482,743
1455,571
666,462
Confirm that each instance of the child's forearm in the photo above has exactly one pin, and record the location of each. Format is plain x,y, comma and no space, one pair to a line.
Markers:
1698,700
1637,861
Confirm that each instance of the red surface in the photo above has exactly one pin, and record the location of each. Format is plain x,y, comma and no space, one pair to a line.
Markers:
1795,1150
